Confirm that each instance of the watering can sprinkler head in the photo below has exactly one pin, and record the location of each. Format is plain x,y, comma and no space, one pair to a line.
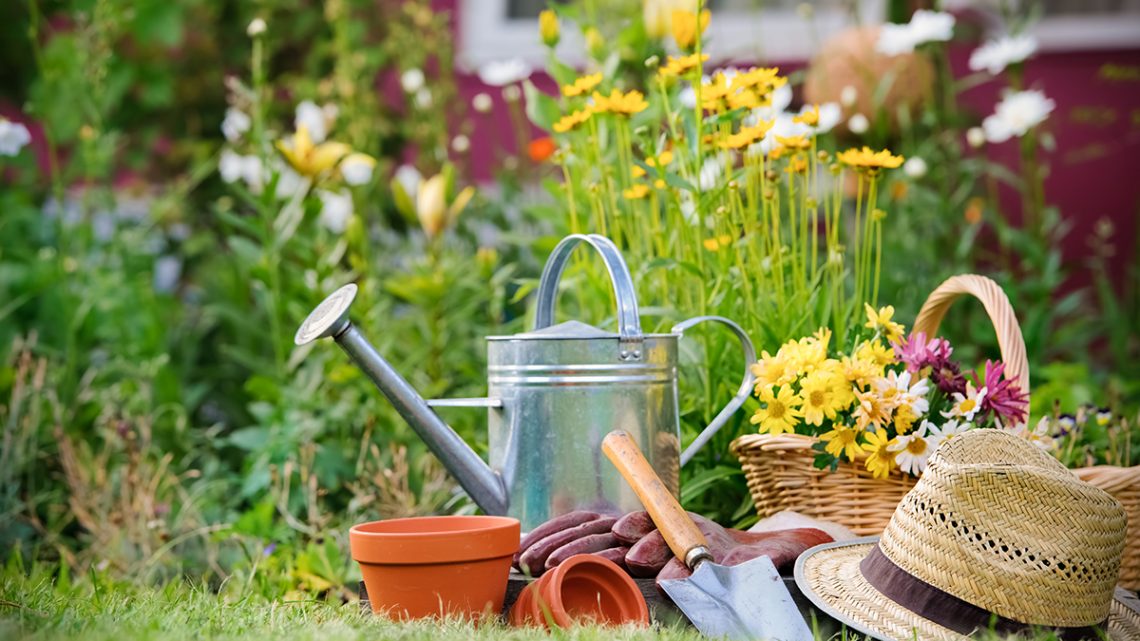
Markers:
330,319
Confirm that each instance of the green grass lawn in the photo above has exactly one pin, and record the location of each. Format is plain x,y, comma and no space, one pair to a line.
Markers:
96,609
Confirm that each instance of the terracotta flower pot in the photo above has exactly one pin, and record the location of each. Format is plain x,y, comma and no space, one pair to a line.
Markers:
583,588
435,565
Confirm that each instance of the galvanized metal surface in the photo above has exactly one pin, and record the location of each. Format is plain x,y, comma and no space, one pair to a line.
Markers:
746,601
553,394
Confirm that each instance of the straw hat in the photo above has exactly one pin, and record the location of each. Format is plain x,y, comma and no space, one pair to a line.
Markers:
995,533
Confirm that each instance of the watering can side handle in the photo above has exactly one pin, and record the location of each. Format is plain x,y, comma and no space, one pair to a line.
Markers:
741,394
629,321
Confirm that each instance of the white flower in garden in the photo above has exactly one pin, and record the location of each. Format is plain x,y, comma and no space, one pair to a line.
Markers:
289,182
230,165
256,28
710,174
356,168
236,123
1039,436
234,167
976,137
1016,114
14,136
504,72
423,98
482,102
914,167
830,115
688,97
167,271
412,80
310,115
460,144
996,55
914,450
966,405
924,26
858,124
336,210
948,430
848,96
907,394
409,178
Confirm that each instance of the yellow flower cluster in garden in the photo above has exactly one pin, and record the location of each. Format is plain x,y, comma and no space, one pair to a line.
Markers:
675,67
747,136
744,90
618,102
868,159
582,85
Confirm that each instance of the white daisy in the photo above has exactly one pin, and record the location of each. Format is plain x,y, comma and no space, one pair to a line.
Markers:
504,72
914,450
1016,114
907,394
948,430
924,26
411,80
996,55
1039,435
915,167
967,405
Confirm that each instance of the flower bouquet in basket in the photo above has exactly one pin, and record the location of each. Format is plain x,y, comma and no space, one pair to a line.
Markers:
843,431
884,404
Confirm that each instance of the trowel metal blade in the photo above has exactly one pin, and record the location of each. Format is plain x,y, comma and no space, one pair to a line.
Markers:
746,601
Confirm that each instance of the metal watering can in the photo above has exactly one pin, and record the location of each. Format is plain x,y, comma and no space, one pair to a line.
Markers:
552,396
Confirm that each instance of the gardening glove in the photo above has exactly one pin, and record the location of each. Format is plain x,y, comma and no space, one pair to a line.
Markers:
580,532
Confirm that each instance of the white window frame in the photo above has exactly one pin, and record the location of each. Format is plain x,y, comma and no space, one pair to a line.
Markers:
487,35
778,35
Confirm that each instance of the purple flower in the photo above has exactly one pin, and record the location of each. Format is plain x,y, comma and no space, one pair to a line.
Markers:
918,353
269,549
1003,397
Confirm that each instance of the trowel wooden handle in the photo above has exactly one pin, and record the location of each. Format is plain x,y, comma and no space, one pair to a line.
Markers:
679,531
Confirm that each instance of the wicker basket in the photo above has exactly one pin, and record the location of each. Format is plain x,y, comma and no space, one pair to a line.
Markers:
781,475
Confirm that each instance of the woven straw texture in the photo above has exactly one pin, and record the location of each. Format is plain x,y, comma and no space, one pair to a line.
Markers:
841,589
781,475
997,523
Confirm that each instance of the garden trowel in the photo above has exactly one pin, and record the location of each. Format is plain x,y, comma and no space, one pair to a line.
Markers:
746,601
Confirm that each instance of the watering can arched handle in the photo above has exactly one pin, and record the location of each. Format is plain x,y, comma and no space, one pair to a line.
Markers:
629,321
742,392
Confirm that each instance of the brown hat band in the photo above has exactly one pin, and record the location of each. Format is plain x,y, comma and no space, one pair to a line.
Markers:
944,608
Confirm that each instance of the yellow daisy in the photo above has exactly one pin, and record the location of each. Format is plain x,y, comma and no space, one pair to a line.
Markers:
880,458
869,159
573,120
820,393
881,322
780,413
582,85
843,441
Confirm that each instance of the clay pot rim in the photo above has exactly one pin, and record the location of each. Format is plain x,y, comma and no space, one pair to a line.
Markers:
466,539
601,570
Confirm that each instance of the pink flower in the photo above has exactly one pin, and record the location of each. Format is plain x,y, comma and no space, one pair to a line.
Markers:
917,353
1004,398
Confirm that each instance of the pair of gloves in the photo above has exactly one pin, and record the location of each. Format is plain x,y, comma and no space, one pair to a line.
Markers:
633,542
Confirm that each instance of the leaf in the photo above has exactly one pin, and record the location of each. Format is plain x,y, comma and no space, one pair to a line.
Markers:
562,74
541,109
249,438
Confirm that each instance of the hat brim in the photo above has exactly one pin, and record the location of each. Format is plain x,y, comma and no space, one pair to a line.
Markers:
829,576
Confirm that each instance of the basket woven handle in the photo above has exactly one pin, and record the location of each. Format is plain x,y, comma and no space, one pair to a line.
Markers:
997,307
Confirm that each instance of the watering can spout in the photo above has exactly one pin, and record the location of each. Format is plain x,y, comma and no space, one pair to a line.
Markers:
330,320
